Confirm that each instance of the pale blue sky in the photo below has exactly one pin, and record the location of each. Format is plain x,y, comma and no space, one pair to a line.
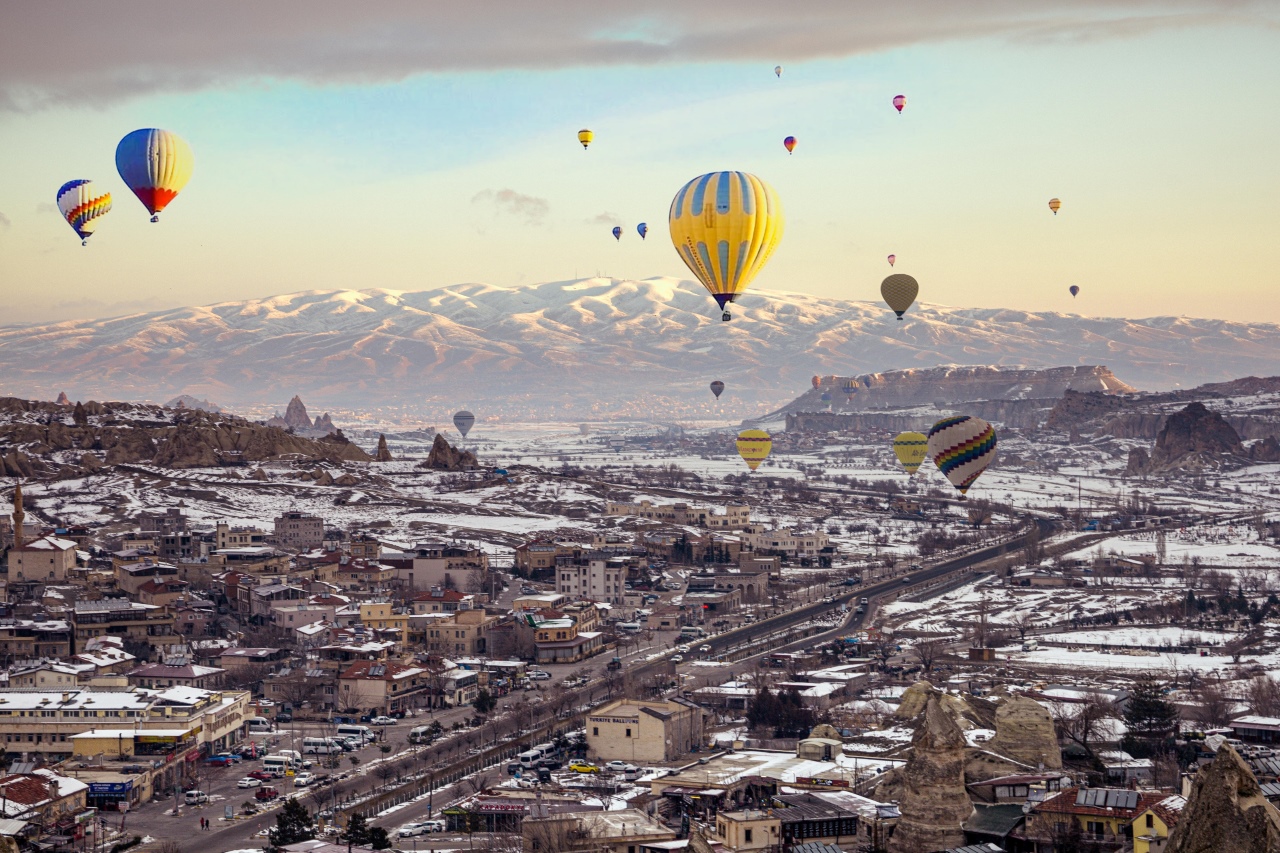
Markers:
1161,144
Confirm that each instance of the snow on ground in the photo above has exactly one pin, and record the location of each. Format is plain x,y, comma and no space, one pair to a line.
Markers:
1153,638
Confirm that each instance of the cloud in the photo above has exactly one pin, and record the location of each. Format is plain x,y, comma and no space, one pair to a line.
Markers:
605,218
5,222
47,207
49,57
531,209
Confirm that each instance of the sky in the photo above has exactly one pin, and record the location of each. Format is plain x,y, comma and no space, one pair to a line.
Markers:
413,145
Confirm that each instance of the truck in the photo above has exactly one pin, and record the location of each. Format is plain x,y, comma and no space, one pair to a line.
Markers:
616,663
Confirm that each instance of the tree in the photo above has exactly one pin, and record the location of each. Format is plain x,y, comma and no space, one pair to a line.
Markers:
1031,548
484,703
293,824
926,650
1080,723
378,838
1263,695
357,833
1150,717
1212,704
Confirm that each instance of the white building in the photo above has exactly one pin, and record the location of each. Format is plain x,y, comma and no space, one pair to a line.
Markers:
785,543
597,580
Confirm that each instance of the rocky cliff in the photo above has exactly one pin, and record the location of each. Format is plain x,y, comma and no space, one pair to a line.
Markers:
1226,812
1193,439
44,440
297,419
934,802
1024,731
445,457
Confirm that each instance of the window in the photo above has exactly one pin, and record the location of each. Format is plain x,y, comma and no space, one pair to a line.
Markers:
1151,821
1096,827
628,732
746,835
595,731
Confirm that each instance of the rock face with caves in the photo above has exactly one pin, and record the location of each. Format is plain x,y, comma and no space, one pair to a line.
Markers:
445,457
1194,439
934,802
1226,812
45,441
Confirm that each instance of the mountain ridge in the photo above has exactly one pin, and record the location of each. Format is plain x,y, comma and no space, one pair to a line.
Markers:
582,348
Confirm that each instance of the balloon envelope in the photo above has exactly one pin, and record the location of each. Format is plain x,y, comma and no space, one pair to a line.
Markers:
777,70
464,420
585,136
156,164
642,229
789,143
850,387
82,205
617,232
816,381
962,447
892,258
754,446
717,388
1054,204
1075,289
899,101
911,448
725,225
899,291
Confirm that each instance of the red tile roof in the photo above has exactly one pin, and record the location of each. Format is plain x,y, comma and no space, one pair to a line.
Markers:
1065,803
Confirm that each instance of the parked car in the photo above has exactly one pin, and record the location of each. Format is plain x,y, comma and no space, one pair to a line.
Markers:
219,761
261,776
303,779
433,825
705,649
583,767
231,756
249,782
539,675
284,717
266,794
411,829
383,721
616,766
195,798
677,658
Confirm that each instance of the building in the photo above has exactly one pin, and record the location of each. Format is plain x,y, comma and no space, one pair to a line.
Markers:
160,675
840,818
43,797
172,520
461,633
595,579
733,517
1152,827
809,547
439,600
297,531
559,640
29,639
44,560
621,831
1256,729
630,730
1104,815
443,565
226,536
120,617
383,687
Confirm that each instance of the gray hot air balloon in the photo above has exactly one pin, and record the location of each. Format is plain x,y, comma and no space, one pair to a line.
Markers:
464,420
717,388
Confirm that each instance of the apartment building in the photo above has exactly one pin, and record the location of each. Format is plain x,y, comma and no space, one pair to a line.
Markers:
30,639
463,632
731,517
297,531
129,620
383,687
597,579
806,545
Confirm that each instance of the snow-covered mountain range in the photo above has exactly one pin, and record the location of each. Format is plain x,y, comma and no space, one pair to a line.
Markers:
579,349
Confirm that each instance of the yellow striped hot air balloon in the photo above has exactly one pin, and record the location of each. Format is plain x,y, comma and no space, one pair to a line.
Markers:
911,448
899,291
585,136
725,225
754,446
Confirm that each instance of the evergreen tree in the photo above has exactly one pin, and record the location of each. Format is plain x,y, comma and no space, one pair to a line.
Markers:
293,824
1150,718
484,702
357,832
378,838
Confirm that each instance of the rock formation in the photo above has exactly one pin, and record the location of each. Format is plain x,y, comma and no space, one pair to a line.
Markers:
186,401
1137,464
63,399
383,454
296,414
1194,439
445,457
1226,812
1267,450
934,802
1024,731
79,416
323,424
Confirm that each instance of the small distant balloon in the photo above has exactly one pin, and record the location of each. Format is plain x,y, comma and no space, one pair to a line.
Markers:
1075,290
899,101
717,388
777,70
789,143
816,381
754,446
892,258
1054,204
642,229
899,291
617,232
585,136
82,205
464,420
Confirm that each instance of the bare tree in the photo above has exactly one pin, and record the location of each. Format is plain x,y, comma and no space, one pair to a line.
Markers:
926,650
1082,722
477,782
1263,696
1212,704
1022,623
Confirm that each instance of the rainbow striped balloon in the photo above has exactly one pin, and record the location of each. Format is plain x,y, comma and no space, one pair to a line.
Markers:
754,446
962,447
82,206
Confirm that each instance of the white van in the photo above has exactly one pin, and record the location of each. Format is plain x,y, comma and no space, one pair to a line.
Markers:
1030,645
276,765
260,725
362,732
195,798
630,627
420,734
318,746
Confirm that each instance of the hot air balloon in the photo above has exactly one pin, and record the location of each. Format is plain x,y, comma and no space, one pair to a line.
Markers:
826,397
899,101
850,387
1054,204
725,225
754,446
82,205
617,232
464,420
642,229
789,143
892,258
1075,290
816,381
899,290
911,448
585,136
962,447
156,164
717,388
777,70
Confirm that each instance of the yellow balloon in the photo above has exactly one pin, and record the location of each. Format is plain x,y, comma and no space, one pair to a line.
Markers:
754,446
585,136
911,449
1054,204
725,225
899,291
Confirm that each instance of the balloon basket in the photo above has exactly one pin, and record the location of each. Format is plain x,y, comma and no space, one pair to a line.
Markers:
726,317
155,218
